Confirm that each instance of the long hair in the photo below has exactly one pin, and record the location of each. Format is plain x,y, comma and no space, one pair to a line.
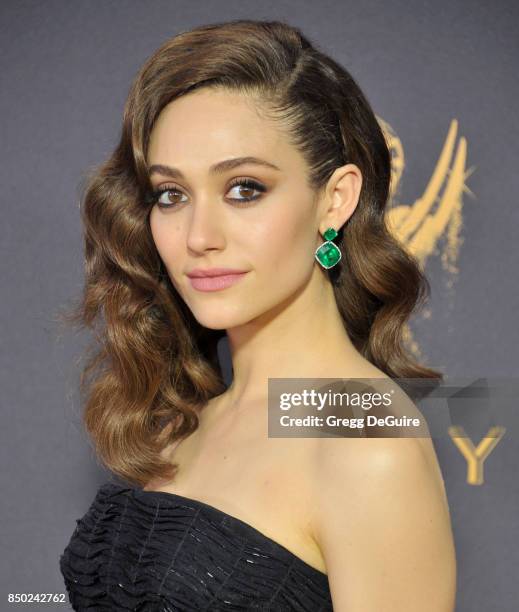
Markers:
153,366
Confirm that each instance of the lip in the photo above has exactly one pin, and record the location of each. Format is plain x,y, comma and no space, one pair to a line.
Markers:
201,273
215,283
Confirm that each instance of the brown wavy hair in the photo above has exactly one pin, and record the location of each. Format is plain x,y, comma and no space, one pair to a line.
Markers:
152,367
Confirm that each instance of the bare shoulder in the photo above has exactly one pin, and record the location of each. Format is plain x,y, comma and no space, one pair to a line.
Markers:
383,525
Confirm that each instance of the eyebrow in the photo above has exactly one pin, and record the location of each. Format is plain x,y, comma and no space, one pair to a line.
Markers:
218,168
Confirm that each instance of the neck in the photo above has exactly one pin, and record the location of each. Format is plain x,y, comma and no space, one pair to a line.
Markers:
304,337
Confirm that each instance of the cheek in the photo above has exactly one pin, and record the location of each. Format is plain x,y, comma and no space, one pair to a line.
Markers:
166,237
285,242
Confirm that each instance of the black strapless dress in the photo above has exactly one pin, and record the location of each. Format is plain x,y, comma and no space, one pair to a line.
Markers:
152,551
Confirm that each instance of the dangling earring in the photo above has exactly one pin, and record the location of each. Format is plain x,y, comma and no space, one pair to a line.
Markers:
328,254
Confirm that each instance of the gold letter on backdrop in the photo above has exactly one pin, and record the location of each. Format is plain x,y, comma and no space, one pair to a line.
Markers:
475,456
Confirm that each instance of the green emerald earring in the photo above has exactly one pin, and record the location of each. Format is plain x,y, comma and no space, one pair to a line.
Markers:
328,254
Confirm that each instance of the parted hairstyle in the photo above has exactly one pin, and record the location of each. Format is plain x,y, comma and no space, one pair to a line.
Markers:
152,367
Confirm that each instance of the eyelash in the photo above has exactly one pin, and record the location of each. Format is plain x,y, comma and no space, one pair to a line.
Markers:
245,182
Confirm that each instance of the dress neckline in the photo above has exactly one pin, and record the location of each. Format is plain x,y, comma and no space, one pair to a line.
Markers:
168,495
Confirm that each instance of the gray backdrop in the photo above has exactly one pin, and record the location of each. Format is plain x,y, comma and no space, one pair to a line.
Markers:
65,71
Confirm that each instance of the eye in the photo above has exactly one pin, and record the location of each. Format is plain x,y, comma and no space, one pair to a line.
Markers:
250,185
165,197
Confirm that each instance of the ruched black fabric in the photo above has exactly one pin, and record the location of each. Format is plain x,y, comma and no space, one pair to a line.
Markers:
156,551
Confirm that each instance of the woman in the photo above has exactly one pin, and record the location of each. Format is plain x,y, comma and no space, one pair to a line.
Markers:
244,147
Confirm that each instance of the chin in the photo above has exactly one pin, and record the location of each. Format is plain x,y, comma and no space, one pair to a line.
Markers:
219,317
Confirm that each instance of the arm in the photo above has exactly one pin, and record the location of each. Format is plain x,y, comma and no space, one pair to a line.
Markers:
382,523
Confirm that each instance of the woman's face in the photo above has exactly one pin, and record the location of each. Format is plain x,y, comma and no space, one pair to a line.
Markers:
203,219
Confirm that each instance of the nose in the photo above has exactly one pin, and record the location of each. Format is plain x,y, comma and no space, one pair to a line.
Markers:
205,231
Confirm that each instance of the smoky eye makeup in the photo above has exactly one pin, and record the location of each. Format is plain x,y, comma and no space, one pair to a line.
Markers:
161,195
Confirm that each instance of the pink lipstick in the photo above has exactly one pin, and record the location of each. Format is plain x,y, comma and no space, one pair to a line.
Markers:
214,279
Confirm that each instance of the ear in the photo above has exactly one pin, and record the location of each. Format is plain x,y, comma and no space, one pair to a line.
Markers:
341,197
